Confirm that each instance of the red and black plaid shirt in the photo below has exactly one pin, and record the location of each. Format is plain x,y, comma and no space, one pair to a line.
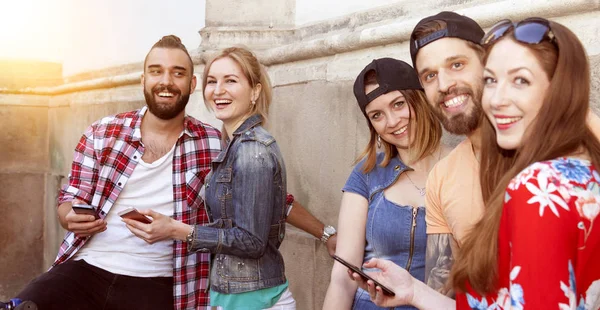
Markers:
104,159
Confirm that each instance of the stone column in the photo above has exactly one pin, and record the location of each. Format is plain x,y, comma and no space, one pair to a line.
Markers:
24,172
258,24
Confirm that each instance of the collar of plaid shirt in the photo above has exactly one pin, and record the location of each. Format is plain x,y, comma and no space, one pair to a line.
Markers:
112,147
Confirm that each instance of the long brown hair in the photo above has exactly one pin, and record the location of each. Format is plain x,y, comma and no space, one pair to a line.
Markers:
559,129
428,131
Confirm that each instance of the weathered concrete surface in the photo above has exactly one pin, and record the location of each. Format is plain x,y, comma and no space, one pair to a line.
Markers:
595,88
53,232
21,230
257,13
24,139
398,29
318,157
313,263
19,74
327,138
23,167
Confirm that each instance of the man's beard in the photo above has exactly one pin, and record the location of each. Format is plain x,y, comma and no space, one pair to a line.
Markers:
165,111
463,123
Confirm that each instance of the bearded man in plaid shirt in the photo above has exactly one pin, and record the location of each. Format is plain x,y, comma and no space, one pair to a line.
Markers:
154,159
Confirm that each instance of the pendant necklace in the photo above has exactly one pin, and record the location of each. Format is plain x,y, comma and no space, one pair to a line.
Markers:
421,190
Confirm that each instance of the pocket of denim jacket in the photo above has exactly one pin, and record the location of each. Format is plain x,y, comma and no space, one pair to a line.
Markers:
235,268
224,175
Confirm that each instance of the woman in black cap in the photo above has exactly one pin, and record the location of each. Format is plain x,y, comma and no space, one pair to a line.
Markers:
382,212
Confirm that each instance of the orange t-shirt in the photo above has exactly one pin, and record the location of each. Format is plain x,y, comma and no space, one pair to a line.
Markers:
453,200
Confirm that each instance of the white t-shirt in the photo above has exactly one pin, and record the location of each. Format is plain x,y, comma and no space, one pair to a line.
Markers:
117,249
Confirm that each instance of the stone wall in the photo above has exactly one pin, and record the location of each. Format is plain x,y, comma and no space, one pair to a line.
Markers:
23,180
314,116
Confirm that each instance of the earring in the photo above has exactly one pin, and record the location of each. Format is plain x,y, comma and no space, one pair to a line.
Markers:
378,141
253,102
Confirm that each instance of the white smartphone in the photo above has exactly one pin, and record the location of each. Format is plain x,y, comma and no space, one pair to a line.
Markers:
134,214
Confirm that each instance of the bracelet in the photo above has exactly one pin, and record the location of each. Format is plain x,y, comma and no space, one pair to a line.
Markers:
189,239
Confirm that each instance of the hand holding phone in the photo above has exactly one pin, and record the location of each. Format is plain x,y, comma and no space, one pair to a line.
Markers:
78,220
363,275
134,214
84,209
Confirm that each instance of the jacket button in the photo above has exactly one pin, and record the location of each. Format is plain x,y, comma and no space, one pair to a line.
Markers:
397,168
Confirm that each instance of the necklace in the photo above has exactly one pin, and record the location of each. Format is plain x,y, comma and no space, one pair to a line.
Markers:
421,190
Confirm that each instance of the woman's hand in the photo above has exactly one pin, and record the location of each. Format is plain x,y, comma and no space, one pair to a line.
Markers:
161,228
392,276
331,245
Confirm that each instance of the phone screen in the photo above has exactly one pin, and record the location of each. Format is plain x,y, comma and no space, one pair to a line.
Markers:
386,290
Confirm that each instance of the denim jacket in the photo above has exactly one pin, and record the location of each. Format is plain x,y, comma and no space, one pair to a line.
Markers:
245,195
394,232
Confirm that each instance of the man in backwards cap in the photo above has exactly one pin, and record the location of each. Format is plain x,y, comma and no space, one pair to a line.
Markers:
446,53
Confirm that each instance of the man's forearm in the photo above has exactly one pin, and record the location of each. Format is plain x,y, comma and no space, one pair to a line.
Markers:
299,217
438,263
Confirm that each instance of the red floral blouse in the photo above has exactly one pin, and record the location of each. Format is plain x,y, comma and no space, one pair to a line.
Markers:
549,242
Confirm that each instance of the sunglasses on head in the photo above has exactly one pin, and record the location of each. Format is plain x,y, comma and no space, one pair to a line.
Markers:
531,31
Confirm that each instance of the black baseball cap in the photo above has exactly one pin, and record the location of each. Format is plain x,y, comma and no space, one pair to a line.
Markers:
457,26
391,74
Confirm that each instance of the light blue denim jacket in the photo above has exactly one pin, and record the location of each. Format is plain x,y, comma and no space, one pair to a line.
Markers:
394,232
245,196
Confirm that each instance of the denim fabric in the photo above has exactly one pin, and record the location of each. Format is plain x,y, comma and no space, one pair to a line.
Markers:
245,196
389,225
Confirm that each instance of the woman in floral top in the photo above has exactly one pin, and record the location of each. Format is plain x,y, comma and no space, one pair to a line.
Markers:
538,243
536,246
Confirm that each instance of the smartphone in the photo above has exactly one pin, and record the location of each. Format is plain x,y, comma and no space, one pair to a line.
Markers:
134,214
365,277
81,208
